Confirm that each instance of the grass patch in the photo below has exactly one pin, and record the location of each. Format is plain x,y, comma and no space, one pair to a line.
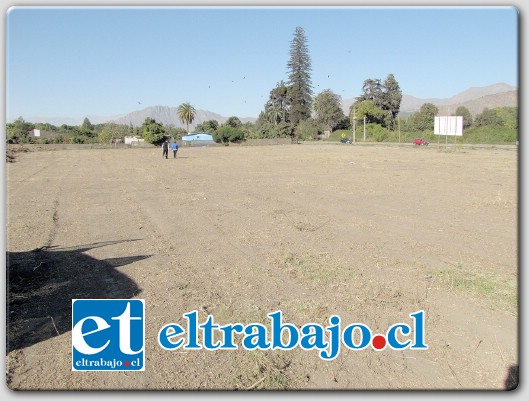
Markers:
317,267
490,287
309,310
267,370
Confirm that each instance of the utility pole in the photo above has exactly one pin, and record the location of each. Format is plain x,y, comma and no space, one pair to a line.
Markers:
364,128
399,127
354,124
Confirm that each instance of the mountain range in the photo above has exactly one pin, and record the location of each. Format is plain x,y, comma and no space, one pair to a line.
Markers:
474,99
169,116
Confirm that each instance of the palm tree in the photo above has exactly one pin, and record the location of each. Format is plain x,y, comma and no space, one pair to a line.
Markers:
186,114
276,113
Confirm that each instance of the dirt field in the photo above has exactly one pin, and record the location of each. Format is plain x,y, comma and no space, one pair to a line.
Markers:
369,233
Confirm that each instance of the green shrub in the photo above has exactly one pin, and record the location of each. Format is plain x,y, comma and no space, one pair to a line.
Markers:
227,133
308,130
377,132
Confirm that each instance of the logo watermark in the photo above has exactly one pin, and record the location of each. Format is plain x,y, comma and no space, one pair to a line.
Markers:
328,340
108,335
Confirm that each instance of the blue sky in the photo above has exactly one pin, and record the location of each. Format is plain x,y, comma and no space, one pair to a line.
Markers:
76,62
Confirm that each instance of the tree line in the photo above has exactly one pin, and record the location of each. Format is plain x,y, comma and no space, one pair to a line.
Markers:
291,111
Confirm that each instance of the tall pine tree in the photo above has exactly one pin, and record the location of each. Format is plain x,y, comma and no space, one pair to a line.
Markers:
299,79
392,99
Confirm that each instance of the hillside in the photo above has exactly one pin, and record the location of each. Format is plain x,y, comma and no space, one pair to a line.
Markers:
476,106
474,99
169,116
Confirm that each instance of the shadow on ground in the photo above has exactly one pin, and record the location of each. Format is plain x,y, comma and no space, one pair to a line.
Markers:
513,378
42,283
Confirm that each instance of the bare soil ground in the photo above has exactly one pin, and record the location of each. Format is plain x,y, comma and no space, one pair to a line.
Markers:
370,233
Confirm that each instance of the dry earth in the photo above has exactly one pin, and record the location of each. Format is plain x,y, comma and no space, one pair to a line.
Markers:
370,233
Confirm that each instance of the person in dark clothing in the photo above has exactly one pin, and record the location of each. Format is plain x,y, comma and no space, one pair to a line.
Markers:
165,148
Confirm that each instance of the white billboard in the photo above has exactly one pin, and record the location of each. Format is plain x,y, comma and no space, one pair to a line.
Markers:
448,125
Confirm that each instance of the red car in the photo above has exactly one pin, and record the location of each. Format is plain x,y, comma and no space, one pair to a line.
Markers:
420,141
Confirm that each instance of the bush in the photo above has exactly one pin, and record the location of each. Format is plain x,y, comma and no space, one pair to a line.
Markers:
269,130
377,132
308,130
488,134
227,133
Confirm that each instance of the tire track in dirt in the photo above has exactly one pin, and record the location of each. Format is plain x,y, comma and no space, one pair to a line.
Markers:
45,221
56,203
44,206
19,184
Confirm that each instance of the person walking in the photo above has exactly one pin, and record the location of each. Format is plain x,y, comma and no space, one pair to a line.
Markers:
174,147
165,148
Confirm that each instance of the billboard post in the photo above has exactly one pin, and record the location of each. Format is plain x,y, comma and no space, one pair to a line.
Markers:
448,125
